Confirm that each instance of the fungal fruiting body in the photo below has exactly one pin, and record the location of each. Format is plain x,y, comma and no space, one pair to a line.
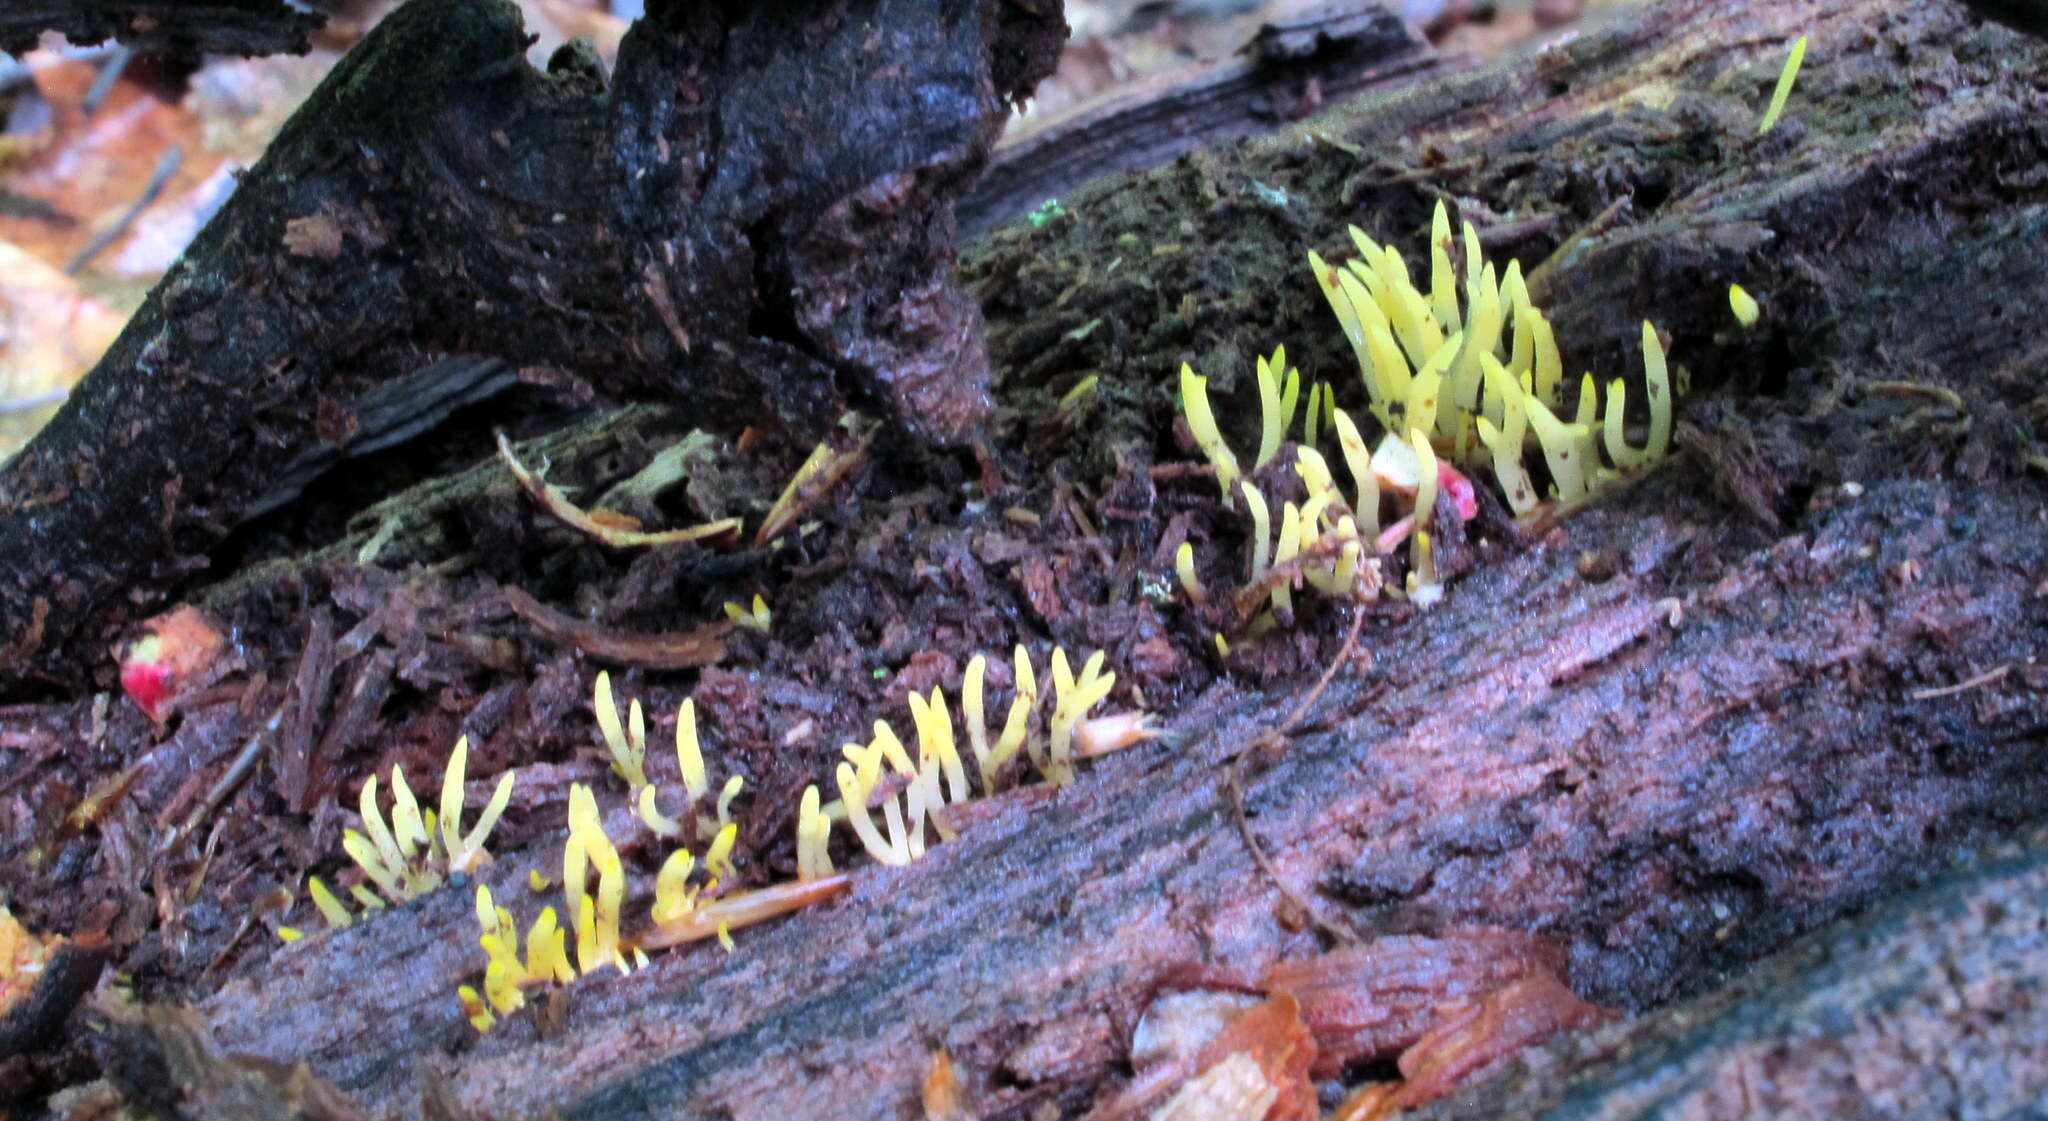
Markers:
1743,305
690,901
1499,383
1324,541
938,776
1465,376
412,852
1783,89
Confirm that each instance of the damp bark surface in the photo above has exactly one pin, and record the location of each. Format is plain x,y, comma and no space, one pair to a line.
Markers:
755,219
189,27
1786,675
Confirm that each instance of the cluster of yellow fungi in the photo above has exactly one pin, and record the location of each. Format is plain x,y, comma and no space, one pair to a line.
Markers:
411,851
911,797
1465,375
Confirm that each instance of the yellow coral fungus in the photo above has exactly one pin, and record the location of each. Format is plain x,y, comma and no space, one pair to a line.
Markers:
1743,305
1783,89
1190,582
1488,379
756,618
813,838
629,755
911,813
1278,390
1194,396
689,754
412,853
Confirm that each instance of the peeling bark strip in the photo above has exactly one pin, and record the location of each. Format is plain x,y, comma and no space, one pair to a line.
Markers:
186,27
755,221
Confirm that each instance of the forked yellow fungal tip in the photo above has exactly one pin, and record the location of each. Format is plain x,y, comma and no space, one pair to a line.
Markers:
1743,305
289,934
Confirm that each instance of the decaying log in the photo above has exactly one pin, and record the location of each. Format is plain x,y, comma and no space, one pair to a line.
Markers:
1670,734
1285,73
756,220
1843,1024
1669,800
184,27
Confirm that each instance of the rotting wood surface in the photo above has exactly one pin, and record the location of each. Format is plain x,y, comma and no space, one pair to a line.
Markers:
1949,971
754,219
186,27
1673,733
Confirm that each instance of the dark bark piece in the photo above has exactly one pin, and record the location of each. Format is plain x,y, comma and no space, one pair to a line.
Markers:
185,27
1840,1025
170,1068
1288,71
755,221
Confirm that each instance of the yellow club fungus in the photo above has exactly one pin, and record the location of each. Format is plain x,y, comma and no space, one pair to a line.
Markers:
629,754
813,838
756,618
726,794
330,908
412,852
465,852
1487,387
1284,549
1422,566
1190,581
689,753
650,815
1743,305
1261,532
1072,698
1784,88
718,857
1279,388
673,894
1194,396
912,809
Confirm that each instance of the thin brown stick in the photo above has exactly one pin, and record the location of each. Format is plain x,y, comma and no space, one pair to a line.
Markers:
1985,678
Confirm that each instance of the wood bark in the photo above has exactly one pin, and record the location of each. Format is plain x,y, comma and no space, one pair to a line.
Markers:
185,27
756,220
1936,972
1775,681
1286,72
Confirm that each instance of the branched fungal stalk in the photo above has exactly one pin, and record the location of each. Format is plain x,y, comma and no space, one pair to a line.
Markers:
756,618
412,852
1483,381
